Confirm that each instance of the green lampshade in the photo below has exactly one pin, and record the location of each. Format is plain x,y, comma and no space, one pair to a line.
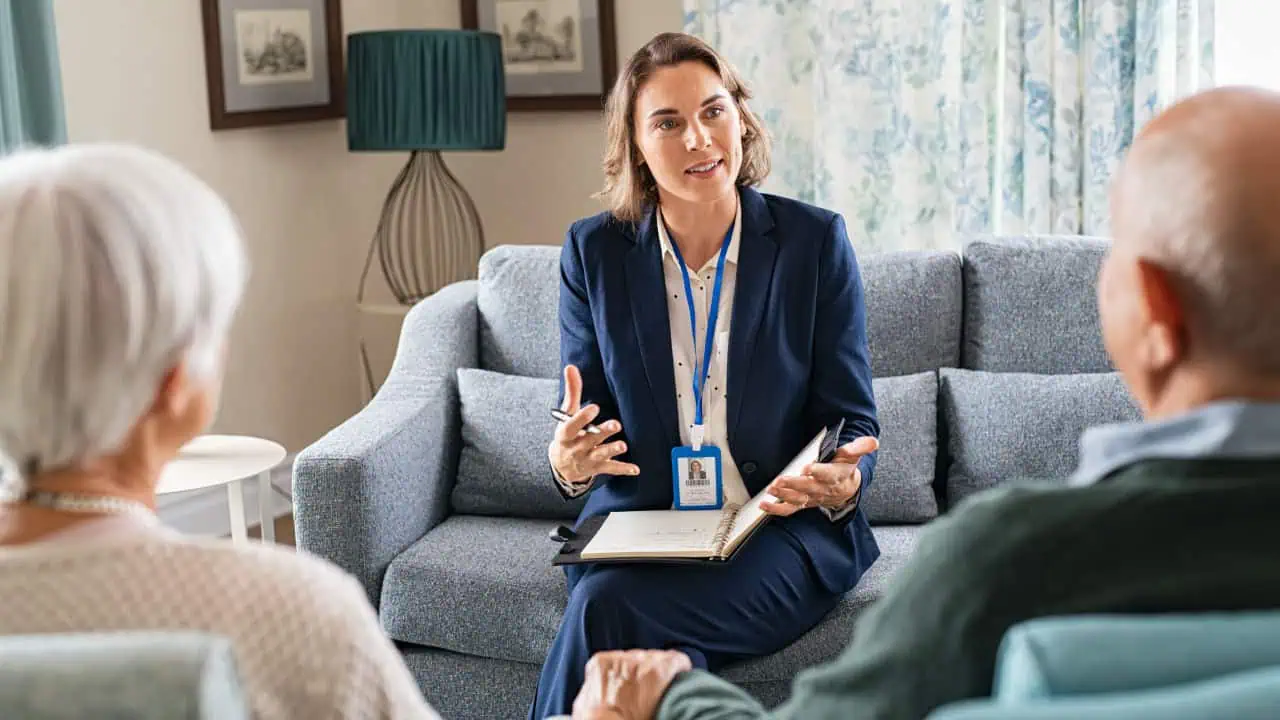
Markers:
425,90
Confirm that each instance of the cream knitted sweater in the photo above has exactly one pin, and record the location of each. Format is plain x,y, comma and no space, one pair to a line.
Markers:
307,643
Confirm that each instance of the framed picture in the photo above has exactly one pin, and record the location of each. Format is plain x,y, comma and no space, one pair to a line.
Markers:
558,54
273,61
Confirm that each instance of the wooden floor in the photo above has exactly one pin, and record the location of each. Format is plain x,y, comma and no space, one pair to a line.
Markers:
284,531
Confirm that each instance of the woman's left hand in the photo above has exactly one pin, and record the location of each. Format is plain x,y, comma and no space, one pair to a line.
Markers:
829,485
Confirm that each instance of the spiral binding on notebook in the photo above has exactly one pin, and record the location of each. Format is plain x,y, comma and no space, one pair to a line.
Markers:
727,516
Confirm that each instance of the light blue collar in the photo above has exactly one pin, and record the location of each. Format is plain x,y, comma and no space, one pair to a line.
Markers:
1235,429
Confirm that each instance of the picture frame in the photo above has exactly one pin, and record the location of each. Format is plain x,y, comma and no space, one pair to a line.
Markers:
559,55
272,62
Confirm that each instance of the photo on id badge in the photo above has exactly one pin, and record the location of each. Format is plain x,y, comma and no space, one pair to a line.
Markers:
696,478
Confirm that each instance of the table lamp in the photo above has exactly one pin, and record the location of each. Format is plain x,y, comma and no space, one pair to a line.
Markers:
425,91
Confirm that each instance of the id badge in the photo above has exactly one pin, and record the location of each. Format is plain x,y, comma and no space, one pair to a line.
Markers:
697,481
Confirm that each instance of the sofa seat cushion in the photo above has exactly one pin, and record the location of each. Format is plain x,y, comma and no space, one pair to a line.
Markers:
485,586
477,585
502,465
1004,427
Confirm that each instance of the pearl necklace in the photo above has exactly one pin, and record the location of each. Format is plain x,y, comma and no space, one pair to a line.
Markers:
89,504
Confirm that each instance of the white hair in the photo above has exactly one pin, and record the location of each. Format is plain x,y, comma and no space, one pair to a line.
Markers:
116,265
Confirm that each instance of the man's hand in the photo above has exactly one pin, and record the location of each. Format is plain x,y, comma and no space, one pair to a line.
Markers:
579,455
627,684
829,485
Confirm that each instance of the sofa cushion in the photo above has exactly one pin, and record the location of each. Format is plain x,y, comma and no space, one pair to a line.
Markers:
913,311
518,300
913,304
902,490
502,466
1030,305
1022,426
499,570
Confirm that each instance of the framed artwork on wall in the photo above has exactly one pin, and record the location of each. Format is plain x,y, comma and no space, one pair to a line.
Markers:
558,54
270,62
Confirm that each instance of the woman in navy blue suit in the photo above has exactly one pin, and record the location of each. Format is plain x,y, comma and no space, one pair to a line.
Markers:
705,320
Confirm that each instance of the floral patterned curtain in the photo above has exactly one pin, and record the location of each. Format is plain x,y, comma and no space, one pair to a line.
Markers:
927,121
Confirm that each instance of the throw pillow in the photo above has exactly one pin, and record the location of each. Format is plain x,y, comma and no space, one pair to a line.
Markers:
1022,426
502,467
902,489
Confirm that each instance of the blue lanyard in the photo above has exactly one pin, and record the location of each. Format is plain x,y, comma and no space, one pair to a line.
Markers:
701,369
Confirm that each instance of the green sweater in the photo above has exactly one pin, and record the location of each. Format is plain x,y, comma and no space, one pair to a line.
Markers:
1160,535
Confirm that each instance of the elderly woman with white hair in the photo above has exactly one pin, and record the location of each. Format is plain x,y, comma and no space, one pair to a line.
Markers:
120,274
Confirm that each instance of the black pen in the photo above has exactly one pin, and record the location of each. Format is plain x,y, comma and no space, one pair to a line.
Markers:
563,416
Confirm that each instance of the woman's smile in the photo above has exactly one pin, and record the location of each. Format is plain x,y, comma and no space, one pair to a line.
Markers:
705,169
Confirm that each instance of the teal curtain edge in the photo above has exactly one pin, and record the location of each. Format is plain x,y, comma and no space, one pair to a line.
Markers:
41,111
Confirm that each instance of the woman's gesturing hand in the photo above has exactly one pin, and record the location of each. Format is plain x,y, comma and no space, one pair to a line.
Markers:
828,485
579,455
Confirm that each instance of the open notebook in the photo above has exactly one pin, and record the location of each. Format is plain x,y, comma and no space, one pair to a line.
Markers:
691,535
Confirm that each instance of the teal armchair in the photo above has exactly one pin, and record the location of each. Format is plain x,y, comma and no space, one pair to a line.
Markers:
1171,667
137,675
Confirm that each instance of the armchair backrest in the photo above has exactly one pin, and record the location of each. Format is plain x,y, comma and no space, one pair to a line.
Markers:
143,675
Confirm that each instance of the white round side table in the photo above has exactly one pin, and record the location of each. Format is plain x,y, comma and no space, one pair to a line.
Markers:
213,460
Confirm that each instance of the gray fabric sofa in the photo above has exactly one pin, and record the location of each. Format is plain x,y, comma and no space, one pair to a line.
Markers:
988,363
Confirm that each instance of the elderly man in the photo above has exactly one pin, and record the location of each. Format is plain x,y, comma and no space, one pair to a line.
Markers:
1176,513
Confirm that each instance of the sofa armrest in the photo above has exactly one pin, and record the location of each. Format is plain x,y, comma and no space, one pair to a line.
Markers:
379,481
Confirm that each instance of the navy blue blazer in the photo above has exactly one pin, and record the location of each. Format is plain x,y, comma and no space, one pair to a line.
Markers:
798,360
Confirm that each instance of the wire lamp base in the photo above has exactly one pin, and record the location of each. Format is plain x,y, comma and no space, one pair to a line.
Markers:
429,234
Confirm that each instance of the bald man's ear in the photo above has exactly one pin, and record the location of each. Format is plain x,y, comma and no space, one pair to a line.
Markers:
1163,335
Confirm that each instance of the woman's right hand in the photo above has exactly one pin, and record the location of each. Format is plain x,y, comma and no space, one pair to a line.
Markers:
579,455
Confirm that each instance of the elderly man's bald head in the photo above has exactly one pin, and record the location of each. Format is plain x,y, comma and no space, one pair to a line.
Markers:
1198,197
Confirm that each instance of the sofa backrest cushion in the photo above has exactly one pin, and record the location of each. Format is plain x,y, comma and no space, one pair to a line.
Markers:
1022,426
902,490
913,304
1030,305
502,466
519,300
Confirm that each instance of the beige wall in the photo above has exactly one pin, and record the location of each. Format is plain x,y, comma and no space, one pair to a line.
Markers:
133,70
